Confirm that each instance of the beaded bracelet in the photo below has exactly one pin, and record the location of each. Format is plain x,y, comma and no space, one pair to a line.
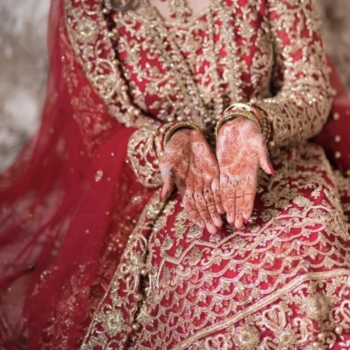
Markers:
179,125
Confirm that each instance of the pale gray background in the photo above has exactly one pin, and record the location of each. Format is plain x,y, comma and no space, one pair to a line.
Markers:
23,63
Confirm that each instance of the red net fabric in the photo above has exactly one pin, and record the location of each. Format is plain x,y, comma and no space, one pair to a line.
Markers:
58,197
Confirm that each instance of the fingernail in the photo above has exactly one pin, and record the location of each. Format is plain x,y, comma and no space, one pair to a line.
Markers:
271,169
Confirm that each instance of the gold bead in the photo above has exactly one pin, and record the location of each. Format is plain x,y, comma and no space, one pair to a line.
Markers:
336,116
348,172
105,11
337,139
115,62
139,297
144,272
272,144
270,119
317,346
135,326
339,330
337,155
321,337
124,88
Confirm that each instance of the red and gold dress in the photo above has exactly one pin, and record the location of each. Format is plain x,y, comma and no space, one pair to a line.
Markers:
94,260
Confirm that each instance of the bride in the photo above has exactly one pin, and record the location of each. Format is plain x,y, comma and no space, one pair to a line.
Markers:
171,199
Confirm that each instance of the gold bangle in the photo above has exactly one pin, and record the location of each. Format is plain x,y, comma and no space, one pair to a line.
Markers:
267,127
265,123
222,121
240,105
179,125
234,116
246,107
254,115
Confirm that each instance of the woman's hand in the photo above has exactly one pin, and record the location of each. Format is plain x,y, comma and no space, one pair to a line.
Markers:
189,163
241,150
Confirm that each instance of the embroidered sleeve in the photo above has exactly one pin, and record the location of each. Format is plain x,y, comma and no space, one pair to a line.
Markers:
303,95
93,53
144,150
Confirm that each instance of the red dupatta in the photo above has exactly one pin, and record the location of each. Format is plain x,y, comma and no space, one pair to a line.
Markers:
56,203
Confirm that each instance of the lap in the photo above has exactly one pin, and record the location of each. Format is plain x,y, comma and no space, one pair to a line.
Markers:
283,279
277,278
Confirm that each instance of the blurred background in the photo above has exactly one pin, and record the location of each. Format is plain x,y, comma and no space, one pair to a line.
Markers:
23,63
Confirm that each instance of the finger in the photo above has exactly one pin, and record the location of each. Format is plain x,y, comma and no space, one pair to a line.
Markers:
215,188
264,161
223,191
249,196
191,210
209,198
240,188
168,184
204,212
231,202
202,207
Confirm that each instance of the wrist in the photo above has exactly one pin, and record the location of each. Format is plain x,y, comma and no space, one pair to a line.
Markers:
249,112
183,125
237,123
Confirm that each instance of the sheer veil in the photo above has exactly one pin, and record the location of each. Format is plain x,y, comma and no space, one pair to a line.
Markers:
55,202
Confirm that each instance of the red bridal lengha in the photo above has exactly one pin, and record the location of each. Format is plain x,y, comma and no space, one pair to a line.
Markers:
91,259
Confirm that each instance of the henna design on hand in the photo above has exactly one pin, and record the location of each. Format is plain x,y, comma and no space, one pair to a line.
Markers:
240,150
195,172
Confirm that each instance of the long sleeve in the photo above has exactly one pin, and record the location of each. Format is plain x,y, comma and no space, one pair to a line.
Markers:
109,107
302,93
145,147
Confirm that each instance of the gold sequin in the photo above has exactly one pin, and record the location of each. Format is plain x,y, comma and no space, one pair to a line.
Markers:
99,176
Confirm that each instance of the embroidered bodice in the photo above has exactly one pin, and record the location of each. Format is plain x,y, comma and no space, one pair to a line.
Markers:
150,73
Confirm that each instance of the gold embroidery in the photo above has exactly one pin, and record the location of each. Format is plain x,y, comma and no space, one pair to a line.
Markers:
301,81
115,315
247,337
219,282
316,306
144,149
88,34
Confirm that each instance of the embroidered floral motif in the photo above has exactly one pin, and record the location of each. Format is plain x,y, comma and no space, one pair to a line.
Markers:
316,306
247,337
